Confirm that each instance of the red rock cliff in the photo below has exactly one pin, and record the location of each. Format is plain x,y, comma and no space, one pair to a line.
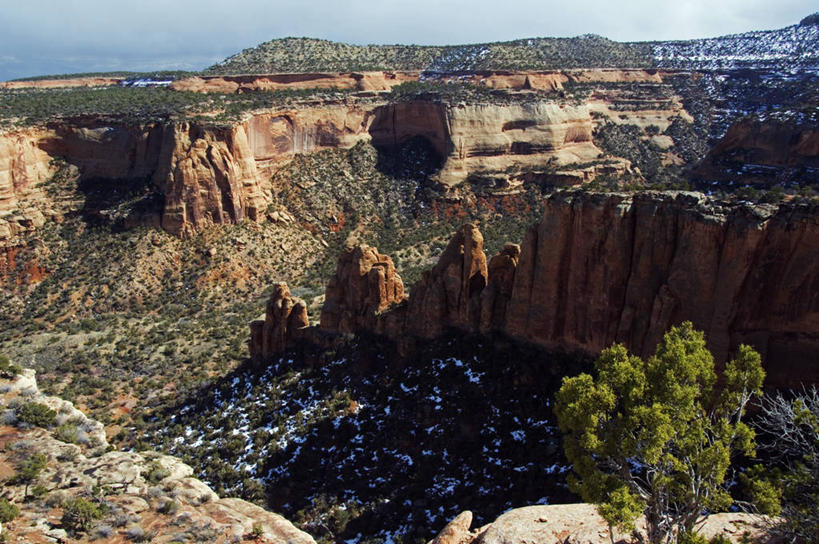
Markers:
601,268
605,268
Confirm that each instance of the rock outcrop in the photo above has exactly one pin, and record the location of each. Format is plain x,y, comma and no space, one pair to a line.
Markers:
449,295
504,144
23,166
364,286
211,174
284,316
359,81
760,148
135,486
577,524
495,298
601,268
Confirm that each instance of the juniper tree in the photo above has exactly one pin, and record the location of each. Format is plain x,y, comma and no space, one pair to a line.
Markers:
656,436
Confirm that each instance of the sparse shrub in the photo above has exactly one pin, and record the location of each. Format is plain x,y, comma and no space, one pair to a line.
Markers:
155,473
791,426
67,433
8,510
104,531
168,507
56,499
8,417
37,414
67,455
38,491
7,369
135,533
79,515
29,470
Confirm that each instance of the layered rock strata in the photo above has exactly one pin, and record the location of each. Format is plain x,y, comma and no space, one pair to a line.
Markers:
605,268
359,81
208,175
543,80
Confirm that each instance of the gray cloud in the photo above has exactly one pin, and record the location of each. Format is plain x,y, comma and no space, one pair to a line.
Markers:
53,36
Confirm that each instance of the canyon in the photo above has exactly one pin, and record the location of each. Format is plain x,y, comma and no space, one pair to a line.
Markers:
436,237
599,269
206,174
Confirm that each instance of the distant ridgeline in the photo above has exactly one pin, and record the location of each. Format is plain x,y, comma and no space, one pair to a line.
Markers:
796,46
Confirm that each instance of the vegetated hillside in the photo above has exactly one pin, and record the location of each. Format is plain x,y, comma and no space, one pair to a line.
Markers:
796,47
25,107
158,74
313,55
121,319
356,444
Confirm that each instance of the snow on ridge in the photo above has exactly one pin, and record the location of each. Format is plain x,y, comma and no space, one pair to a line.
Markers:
790,47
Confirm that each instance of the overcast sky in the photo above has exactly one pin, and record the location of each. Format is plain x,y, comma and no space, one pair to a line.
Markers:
64,36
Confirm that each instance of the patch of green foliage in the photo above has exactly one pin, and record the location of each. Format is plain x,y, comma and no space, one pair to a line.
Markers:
155,473
656,436
29,470
8,370
37,414
8,510
80,514
67,433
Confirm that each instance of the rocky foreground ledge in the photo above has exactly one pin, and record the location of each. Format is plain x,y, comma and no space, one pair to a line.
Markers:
579,524
149,497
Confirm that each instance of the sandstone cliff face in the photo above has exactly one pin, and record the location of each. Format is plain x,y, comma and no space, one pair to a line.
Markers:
600,269
751,142
360,81
605,268
217,175
478,141
545,80
364,286
23,165
284,316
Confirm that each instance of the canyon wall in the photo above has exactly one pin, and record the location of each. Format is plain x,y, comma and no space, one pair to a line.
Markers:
360,81
759,149
604,268
221,174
